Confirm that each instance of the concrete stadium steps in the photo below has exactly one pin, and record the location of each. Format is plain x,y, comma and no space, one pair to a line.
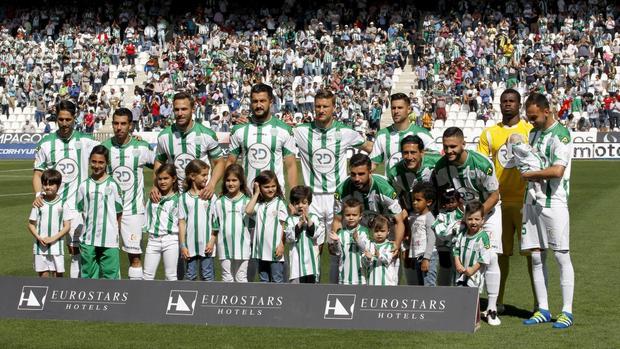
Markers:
404,81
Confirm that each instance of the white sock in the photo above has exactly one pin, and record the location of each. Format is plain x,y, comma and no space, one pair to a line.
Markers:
567,279
492,277
540,279
135,273
74,270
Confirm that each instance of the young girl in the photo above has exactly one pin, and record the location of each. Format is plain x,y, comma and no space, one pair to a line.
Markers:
162,225
197,224
233,240
472,252
382,269
268,208
100,201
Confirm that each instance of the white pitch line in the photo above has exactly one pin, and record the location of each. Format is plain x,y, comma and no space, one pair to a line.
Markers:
13,176
17,170
16,194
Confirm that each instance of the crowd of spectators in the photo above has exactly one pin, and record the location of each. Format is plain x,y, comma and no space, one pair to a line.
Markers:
464,53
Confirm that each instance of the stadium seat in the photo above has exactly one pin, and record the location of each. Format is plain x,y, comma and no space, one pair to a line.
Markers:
129,81
454,108
449,123
462,115
470,123
465,107
437,132
459,123
439,123
472,115
120,81
479,124
452,115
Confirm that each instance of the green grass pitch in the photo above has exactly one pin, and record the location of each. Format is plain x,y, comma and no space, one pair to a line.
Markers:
595,240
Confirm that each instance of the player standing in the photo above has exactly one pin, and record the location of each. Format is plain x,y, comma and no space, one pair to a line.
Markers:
128,157
493,144
323,145
545,214
67,151
472,175
386,146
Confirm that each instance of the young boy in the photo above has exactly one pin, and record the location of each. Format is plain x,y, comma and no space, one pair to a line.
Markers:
382,269
345,244
446,225
48,225
99,200
422,241
472,253
302,231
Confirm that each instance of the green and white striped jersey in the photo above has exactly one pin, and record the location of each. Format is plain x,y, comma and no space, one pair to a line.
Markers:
446,225
403,180
233,239
49,221
471,250
269,218
303,256
127,163
69,157
200,222
380,199
323,154
386,148
100,203
178,148
381,270
162,218
262,146
474,180
351,270
554,146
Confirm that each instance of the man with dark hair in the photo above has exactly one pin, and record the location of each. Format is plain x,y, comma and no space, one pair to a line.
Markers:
386,146
67,151
416,166
493,144
323,145
473,176
128,158
266,142
375,192
545,213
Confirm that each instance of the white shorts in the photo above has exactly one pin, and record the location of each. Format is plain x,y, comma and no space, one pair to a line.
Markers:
323,206
49,263
131,233
493,226
77,224
545,228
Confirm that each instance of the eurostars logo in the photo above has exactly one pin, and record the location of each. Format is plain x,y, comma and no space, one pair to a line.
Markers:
181,302
32,298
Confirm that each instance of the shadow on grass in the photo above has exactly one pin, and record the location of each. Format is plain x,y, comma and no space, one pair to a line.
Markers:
509,310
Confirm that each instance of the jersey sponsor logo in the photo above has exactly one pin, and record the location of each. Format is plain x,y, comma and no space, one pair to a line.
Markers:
394,159
259,156
182,160
468,194
323,161
32,298
339,306
68,168
124,176
181,302
505,157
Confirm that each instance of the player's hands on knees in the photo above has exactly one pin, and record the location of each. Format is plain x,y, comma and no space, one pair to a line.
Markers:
155,195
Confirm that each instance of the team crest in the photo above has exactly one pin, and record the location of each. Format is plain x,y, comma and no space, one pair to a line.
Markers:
564,140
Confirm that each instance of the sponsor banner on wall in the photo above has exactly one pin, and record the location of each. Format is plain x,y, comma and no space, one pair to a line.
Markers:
407,308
